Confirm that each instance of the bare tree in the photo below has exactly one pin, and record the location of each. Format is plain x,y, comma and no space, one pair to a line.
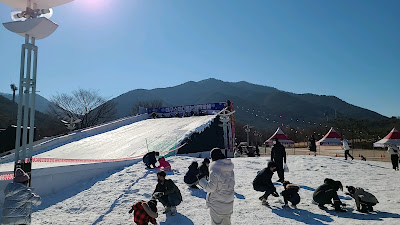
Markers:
14,88
146,104
86,105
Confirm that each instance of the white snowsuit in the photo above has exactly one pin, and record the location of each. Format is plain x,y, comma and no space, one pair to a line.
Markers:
18,204
220,188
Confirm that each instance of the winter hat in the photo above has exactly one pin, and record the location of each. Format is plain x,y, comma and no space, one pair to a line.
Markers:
153,205
20,176
351,189
206,160
216,154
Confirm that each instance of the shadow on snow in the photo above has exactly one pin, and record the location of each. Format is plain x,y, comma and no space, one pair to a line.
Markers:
302,215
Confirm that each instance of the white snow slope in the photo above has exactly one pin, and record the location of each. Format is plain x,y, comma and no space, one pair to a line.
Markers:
107,199
131,140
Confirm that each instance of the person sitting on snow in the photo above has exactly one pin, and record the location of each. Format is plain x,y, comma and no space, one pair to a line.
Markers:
164,164
191,178
150,159
145,212
203,169
167,193
19,199
326,192
291,193
263,182
364,200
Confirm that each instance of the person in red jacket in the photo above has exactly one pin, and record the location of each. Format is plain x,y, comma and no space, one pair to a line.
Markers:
164,164
145,212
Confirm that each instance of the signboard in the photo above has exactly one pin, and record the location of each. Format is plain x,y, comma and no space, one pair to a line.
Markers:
204,108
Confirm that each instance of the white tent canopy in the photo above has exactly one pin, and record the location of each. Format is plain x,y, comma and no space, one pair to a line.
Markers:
332,138
283,139
393,137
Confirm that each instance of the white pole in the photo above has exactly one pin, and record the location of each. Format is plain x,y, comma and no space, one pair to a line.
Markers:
32,101
20,96
26,103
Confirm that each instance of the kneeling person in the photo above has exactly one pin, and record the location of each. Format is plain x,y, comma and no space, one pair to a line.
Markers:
167,193
263,182
291,193
364,200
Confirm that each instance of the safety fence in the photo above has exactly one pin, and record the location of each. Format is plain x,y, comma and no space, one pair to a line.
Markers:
56,160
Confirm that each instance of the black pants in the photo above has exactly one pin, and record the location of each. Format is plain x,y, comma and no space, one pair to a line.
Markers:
395,161
347,153
268,189
279,170
326,197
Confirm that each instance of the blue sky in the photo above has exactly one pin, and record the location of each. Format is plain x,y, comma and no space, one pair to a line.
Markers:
346,48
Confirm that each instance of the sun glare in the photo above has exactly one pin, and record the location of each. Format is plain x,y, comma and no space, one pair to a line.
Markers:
94,6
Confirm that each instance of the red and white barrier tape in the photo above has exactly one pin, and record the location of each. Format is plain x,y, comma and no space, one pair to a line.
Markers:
55,160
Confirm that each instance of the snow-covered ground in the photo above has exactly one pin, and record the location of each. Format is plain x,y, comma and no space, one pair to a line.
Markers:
131,140
107,199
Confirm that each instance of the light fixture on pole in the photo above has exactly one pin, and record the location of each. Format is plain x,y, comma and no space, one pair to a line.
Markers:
247,130
224,117
30,21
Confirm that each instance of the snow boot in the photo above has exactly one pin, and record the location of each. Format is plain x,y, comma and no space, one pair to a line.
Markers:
194,186
173,210
338,206
167,210
322,206
264,202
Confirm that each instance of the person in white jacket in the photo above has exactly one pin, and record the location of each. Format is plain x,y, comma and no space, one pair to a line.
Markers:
220,188
346,148
394,155
18,200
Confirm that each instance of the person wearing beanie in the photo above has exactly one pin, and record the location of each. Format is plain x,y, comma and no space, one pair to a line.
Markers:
325,193
145,212
263,182
278,155
291,193
364,200
191,178
220,188
203,169
18,200
167,193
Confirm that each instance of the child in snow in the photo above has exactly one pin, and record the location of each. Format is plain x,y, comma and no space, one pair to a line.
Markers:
364,200
167,193
192,176
326,192
291,193
263,182
145,212
203,169
164,164
18,200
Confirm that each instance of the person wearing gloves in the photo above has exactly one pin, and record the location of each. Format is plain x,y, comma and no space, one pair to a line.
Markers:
394,155
364,200
220,188
167,193
164,164
278,156
191,178
18,200
145,212
326,192
263,182
291,193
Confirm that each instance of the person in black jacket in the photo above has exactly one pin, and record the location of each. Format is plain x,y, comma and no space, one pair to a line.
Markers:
203,169
263,182
191,178
278,155
150,159
291,193
167,193
326,192
313,146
